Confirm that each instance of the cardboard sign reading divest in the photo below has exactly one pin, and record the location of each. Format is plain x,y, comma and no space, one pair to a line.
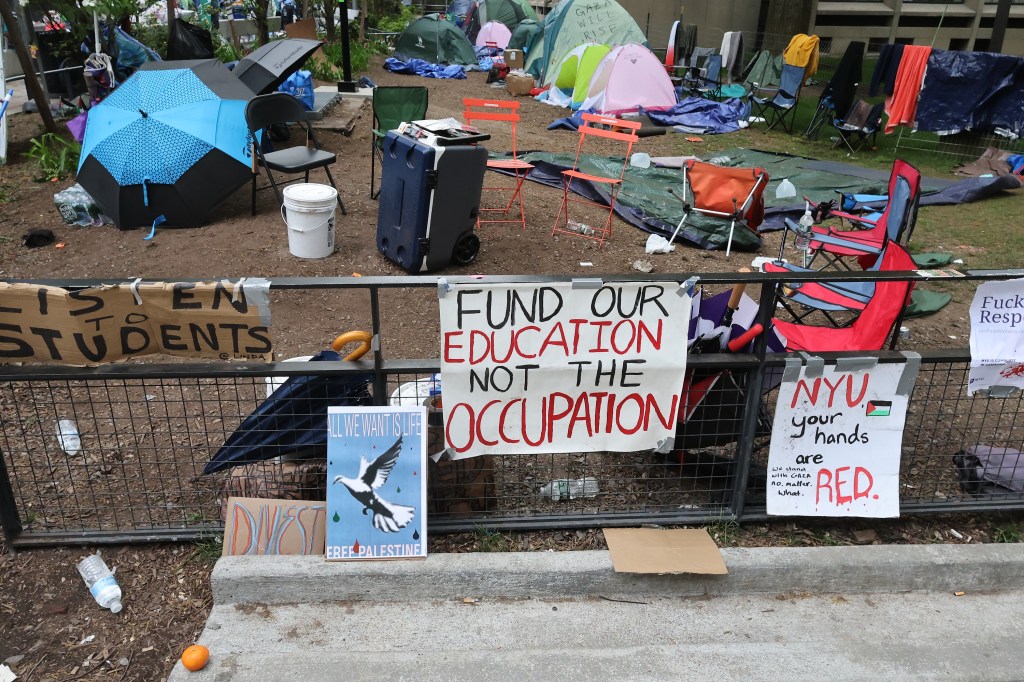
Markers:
562,367
217,320
997,336
836,440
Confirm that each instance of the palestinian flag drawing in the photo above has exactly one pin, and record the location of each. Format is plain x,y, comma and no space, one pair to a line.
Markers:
879,408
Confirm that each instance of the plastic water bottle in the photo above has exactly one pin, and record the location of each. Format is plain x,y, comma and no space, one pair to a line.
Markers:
803,232
785,190
101,582
570,489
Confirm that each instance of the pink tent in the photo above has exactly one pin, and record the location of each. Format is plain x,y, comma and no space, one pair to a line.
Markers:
494,32
629,77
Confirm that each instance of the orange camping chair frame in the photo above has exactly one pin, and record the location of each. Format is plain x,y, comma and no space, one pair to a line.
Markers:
507,111
612,130
714,190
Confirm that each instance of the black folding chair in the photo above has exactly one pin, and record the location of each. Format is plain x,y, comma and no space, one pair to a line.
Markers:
281,108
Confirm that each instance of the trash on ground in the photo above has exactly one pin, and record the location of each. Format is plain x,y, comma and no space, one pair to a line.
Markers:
658,244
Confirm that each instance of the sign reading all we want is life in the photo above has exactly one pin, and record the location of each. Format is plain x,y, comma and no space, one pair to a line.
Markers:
837,439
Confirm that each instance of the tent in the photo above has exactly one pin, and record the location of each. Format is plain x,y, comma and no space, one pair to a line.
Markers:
629,77
435,40
573,74
457,11
524,35
494,32
508,12
574,22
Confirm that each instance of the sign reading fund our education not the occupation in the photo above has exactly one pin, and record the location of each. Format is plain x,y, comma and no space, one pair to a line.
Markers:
562,368
836,442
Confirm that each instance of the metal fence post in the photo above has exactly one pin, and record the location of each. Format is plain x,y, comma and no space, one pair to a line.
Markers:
9,517
752,406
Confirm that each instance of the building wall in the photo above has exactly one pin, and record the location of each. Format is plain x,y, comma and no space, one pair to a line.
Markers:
655,18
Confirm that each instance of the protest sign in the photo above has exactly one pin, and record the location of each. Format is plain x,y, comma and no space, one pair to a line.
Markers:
564,367
376,483
217,320
837,439
997,336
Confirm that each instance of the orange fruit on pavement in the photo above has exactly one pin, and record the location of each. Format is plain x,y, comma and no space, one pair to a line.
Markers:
195,657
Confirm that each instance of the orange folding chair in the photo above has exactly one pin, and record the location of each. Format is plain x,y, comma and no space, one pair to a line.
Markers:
611,129
501,110
735,194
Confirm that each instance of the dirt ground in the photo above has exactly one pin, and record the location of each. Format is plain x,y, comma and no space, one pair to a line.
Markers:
47,617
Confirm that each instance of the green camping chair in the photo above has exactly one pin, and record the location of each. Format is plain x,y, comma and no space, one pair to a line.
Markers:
392,106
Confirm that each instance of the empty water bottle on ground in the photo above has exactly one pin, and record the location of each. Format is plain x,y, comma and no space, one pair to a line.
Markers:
785,189
570,489
101,582
803,232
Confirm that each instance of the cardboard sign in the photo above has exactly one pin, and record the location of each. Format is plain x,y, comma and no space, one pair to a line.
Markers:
376,483
997,336
216,320
562,368
836,441
664,550
262,526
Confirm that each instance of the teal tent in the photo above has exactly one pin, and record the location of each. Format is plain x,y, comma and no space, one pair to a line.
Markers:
574,22
435,40
524,35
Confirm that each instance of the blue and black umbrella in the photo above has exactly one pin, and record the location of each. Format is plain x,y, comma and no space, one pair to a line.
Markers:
171,140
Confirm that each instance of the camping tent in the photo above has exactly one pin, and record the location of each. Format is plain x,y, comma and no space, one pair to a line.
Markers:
573,74
457,10
435,40
524,35
574,22
629,77
508,12
494,32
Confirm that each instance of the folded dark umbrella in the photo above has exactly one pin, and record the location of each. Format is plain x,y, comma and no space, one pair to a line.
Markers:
269,66
294,417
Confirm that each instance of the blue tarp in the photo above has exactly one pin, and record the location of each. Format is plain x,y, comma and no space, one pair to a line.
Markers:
570,122
419,67
975,91
699,115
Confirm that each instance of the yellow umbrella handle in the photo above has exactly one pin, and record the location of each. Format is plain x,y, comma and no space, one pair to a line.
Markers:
363,338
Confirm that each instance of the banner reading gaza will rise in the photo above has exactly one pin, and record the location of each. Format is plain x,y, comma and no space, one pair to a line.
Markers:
562,368
218,320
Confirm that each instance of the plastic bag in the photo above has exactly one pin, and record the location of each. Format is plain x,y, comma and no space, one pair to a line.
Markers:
188,41
300,86
658,244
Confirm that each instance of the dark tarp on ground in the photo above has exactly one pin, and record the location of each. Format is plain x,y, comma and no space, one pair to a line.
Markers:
975,91
703,116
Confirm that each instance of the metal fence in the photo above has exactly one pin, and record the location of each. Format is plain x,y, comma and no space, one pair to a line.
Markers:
146,431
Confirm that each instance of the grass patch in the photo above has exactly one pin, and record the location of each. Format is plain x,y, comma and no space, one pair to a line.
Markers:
724,531
1007,532
490,540
210,548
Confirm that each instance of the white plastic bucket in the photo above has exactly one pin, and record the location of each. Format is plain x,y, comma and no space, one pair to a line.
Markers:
308,211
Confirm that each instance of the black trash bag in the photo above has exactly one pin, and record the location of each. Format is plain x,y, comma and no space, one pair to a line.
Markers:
188,41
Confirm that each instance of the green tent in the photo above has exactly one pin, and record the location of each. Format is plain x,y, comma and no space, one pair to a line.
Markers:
574,22
508,12
435,40
524,35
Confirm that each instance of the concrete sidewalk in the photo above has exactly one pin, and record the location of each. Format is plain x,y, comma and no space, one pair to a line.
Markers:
845,613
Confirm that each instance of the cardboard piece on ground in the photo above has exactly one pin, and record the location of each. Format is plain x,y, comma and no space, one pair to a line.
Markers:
664,550
256,525
519,85
305,28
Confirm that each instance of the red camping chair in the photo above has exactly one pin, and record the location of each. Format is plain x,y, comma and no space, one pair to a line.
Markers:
614,129
895,224
733,193
508,111
871,329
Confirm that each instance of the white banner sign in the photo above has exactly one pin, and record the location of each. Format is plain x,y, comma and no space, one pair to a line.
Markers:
836,441
997,336
562,368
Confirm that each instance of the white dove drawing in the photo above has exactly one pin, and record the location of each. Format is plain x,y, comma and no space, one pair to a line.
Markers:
387,517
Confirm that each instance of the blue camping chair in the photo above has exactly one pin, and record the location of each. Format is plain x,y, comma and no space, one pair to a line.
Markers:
781,107
708,82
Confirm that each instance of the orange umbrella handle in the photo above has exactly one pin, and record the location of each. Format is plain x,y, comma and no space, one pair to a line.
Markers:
363,338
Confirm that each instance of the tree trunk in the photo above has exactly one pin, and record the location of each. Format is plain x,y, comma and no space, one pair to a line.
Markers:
789,17
329,25
31,82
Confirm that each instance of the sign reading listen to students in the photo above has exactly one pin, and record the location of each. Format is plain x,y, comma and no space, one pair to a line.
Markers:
565,367
216,320
836,441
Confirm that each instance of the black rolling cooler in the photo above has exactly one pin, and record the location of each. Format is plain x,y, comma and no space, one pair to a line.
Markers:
430,197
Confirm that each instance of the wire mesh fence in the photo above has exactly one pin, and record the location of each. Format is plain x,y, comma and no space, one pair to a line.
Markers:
129,452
